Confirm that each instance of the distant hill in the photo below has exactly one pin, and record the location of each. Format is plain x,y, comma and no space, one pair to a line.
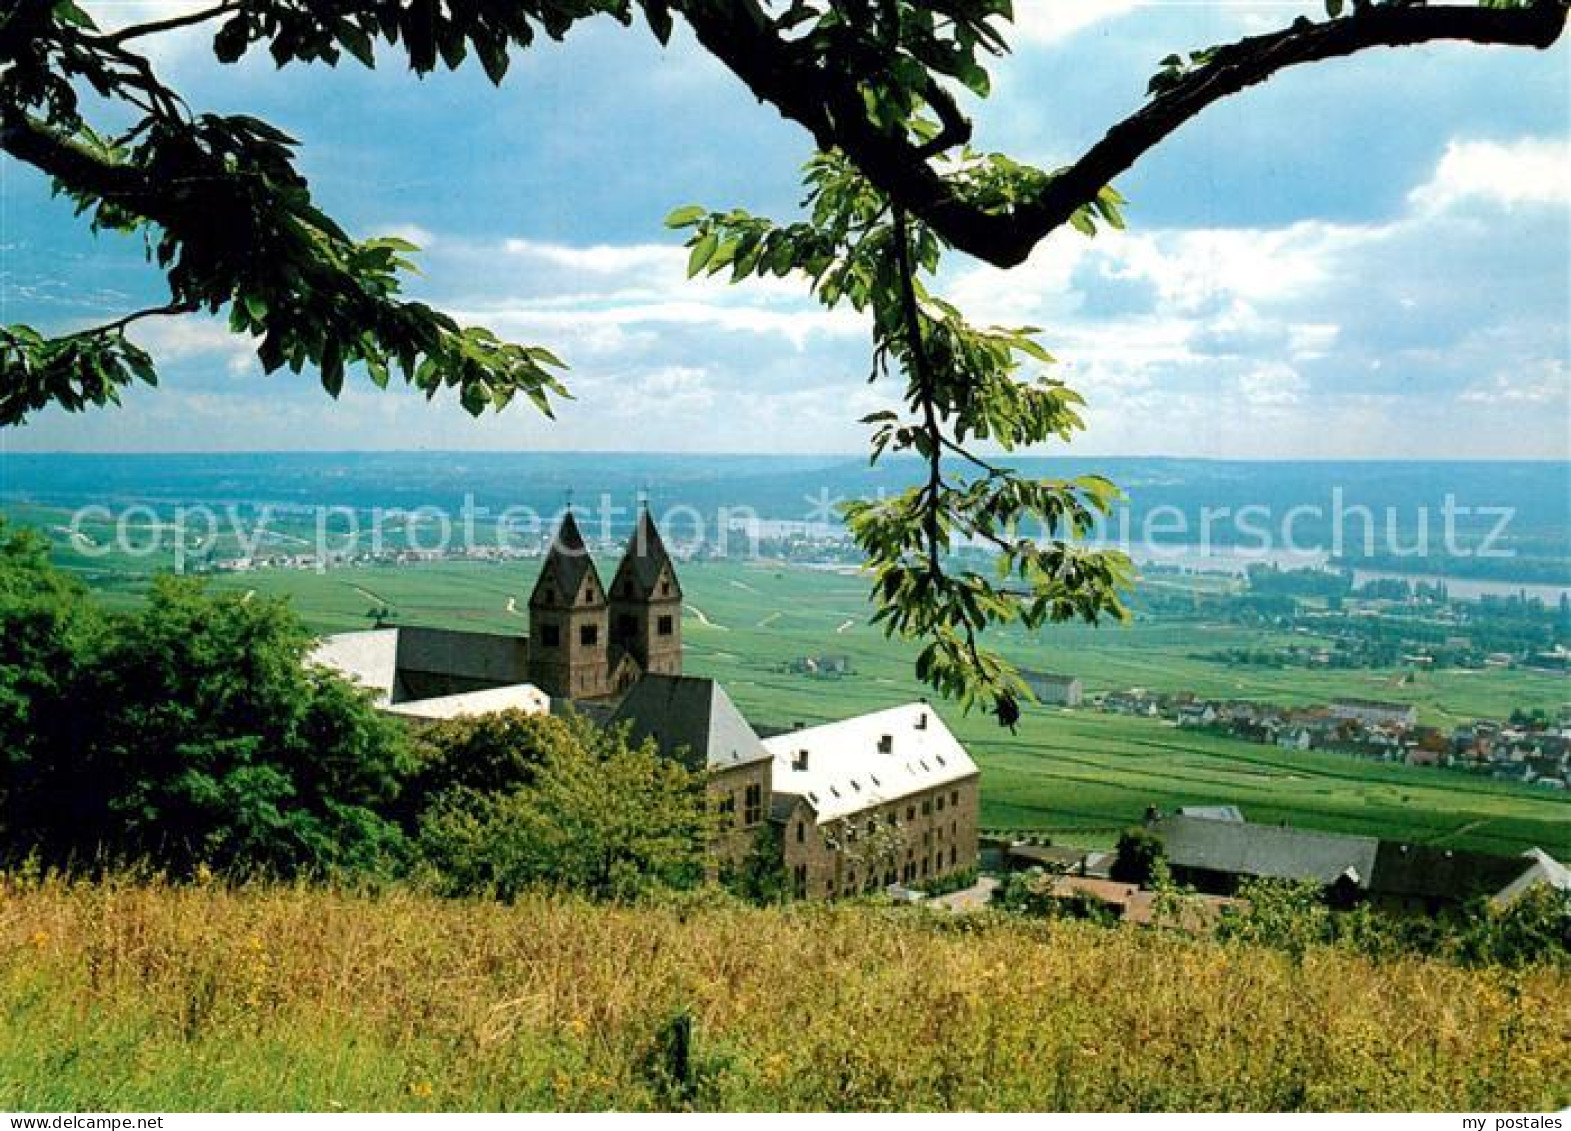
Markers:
787,488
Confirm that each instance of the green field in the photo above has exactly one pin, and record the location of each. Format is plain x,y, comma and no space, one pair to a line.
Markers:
1078,773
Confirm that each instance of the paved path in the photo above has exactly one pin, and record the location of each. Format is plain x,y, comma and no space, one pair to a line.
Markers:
973,898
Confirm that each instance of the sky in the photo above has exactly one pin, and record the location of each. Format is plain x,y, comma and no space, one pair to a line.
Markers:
1369,258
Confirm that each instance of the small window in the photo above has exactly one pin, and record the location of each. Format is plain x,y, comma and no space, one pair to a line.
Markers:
667,625
589,635
753,805
799,881
910,812
940,802
954,798
801,832
952,857
927,808
665,588
550,636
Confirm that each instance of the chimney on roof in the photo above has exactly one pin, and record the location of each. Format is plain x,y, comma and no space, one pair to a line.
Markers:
886,744
799,760
921,721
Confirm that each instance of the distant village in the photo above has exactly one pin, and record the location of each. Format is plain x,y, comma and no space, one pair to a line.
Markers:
1533,750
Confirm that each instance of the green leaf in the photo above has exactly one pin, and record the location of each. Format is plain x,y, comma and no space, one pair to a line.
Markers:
685,217
703,251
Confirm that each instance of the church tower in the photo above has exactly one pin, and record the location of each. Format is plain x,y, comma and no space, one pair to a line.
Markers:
646,603
568,643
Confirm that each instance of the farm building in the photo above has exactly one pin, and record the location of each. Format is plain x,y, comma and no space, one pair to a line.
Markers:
1054,690
1218,855
1376,712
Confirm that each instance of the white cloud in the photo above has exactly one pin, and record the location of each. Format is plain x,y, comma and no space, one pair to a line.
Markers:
1048,21
1272,385
1529,171
1545,382
193,336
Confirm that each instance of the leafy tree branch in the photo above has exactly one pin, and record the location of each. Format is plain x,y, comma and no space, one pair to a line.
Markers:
824,80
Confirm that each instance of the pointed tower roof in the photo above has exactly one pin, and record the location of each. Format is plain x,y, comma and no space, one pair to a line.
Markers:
567,563
644,561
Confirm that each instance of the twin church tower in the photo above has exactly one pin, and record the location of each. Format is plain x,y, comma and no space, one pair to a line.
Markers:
587,641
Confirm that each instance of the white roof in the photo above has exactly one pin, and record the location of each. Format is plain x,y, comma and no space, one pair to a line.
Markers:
1544,869
850,766
525,697
369,658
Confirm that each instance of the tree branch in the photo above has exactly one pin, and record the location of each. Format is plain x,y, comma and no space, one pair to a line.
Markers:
825,99
119,324
153,27
1252,61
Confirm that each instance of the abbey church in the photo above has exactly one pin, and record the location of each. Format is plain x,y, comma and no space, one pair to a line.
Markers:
890,797
590,642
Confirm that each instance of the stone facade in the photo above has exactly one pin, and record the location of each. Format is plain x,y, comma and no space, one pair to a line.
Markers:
910,841
741,799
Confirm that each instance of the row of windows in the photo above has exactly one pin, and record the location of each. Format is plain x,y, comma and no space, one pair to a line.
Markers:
589,634
548,596
909,873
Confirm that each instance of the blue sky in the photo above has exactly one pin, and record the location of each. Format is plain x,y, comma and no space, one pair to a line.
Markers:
1365,259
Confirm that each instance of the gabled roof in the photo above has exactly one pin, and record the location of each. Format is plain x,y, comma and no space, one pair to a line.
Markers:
566,566
1424,872
692,714
868,760
1542,868
644,561
1267,851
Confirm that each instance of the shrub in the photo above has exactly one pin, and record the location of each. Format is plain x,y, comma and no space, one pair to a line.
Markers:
600,817
1138,851
492,753
189,733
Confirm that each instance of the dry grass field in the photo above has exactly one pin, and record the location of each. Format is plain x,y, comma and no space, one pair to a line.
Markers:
125,995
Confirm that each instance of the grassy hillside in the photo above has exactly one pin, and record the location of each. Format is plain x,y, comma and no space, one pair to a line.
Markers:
125,997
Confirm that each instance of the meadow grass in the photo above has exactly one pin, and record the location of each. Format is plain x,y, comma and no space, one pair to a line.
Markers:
123,995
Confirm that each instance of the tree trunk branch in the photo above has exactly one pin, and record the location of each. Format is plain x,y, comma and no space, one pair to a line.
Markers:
825,99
